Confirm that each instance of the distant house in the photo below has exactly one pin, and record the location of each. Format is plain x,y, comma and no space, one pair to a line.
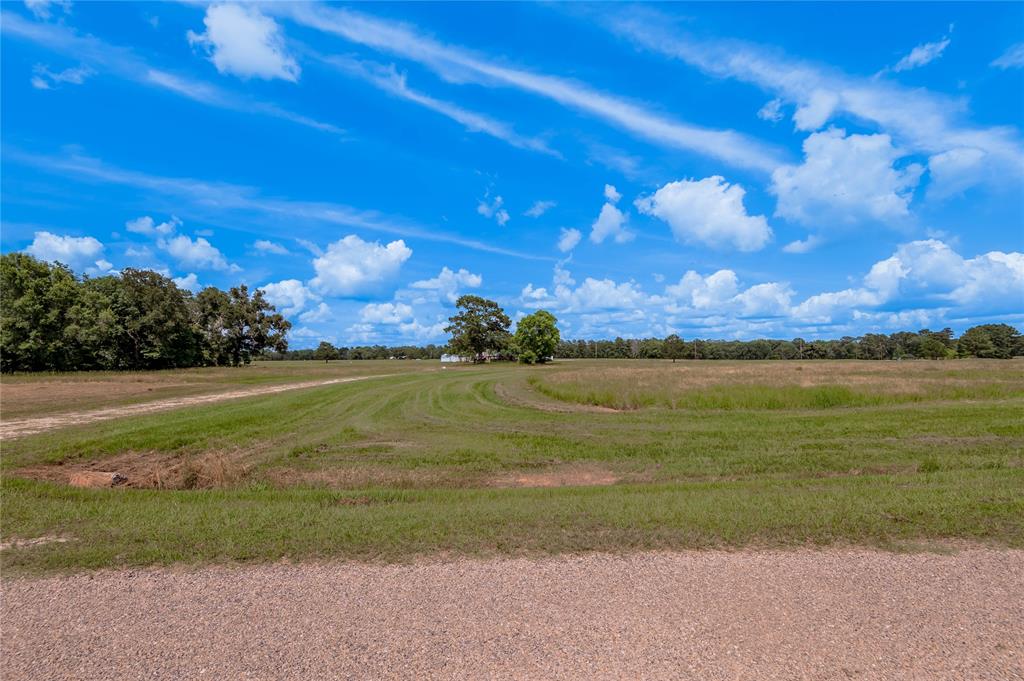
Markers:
454,358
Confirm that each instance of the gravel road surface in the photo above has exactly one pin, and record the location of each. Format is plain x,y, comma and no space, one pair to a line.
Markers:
834,614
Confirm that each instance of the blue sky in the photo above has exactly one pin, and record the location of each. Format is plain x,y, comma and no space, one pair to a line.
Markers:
713,170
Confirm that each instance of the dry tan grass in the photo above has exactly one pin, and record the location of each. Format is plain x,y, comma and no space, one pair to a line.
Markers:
155,470
667,384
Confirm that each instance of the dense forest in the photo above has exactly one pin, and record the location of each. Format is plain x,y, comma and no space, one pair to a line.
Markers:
51,320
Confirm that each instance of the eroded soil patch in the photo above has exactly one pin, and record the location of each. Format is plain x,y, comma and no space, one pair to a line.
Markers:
152,470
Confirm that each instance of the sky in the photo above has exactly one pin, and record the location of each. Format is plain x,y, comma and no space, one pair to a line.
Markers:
716,170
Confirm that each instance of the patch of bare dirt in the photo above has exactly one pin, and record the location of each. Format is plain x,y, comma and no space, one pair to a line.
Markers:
149,470
21,427
36,541
558,476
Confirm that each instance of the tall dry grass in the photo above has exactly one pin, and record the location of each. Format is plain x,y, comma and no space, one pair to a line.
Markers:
781,385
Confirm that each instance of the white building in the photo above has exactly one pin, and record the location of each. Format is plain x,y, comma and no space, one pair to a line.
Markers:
454,358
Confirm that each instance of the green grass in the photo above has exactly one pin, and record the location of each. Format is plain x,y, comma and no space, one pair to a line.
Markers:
396,467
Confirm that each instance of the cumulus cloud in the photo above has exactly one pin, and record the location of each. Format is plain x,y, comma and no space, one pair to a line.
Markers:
146,225
195,253
493,209
923,275
771,111
610,223
189,282
539,208
385,313
568,239
803,245
321,313
449,283
45,79
76,252
845,180
242,41
351,266
289,296
708,211
1013,58
264,246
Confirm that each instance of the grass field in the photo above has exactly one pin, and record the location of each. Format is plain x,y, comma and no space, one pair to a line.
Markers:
502,459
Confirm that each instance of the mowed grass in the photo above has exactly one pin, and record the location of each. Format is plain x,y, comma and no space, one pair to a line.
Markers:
425,463
32,395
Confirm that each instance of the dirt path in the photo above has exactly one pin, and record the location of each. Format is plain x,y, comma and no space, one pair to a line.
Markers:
834,614
18,428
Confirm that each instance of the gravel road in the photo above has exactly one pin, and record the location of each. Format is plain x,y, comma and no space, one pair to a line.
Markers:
708,615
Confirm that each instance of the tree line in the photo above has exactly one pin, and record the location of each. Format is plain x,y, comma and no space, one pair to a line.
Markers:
51,320
993,341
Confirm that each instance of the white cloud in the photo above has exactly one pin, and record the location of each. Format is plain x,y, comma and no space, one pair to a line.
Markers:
289,296
494,210
921,55
539,208
611,222
449,283
916,118
568,239
702,293
43,9
351,266
389,80
954,171
242,41
845,180
190,282
1013,58
385,313
264,246
146,225
461,66
199,253
923,275
121,62
708,211
76,252
803,246
45,79
322,313
611,193
771,111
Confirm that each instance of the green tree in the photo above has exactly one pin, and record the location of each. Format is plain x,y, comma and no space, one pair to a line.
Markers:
153,322
481,326
35,299
673,348
931,348
252,325
998,341
537,337
326,352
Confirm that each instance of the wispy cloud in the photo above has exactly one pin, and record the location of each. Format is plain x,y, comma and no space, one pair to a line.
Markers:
920,120
459,65
388,79
122,62
225,197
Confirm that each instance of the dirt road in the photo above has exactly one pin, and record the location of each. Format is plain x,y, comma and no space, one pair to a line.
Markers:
835,614
20,427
